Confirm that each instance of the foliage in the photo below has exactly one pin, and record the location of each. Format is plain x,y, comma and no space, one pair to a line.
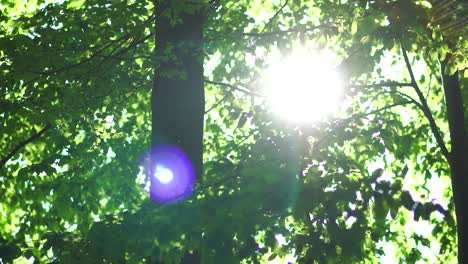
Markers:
339,191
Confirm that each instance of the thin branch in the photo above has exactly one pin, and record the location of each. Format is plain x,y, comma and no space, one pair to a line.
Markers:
411,99
71,66
115,52
386,108
133,44
225,179
217,103
425,107
372,100
382,84
213,6
373,112
283,32
244,90
23,144
390,84
90,58
274,16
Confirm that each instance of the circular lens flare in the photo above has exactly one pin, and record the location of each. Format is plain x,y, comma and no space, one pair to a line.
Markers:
164,175
303,87
172,174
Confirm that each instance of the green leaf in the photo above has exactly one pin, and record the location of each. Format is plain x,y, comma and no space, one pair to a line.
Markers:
354,27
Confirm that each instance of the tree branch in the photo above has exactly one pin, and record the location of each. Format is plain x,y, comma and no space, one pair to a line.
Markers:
425,107
274,16
99,53
244,90
373,112
217,103
213,6
23,144
379,85
386,108
283,32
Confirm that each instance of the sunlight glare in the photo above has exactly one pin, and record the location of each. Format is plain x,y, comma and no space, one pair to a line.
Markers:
304,87
164,175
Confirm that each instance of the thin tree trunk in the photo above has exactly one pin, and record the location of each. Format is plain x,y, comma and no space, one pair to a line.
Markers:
458,159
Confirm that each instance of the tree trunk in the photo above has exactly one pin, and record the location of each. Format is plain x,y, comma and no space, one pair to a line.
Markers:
458,159
178,94
178,100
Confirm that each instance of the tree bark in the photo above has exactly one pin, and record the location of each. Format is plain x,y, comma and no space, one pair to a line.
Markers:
178,94
458,158
178,100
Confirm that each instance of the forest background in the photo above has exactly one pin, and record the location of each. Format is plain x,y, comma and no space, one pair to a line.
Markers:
88,88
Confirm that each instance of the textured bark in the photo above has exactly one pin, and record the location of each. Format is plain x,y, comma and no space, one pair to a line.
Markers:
178,93
458,160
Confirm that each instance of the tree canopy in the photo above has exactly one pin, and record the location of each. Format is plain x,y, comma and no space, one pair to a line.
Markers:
88,87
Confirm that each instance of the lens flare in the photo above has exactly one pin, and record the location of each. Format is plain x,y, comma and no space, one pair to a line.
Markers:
172,176
164,175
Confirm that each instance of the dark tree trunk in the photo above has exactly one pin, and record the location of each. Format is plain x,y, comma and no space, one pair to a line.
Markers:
178,100
178,95
458,159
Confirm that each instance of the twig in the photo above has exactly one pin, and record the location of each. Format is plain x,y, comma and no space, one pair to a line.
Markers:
120,41
213,6
411,99
283,32
23,144
217,103
389,84
362,115
379,85
70,66
386,108
133,44
425,107
244,90
274,16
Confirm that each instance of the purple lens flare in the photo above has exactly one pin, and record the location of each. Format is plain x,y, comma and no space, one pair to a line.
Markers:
172,176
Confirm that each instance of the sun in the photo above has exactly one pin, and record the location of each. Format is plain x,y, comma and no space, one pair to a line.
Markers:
304,86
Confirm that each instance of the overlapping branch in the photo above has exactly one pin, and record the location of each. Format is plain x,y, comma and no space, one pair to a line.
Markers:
22,144
380,85
284,32
236,88
425,107
274,16
217,103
